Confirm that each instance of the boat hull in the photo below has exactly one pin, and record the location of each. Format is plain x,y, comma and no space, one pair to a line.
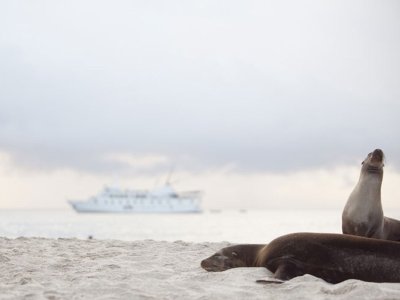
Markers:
84,207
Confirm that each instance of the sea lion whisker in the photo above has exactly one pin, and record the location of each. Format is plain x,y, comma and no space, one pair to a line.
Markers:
374,170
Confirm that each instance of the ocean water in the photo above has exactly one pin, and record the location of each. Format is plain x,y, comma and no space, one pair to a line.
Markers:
233,226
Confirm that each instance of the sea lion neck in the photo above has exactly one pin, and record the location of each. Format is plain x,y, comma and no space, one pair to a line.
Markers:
369,188
370,181
249,256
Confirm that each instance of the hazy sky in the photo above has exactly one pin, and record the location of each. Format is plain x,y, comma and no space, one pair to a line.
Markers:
256,90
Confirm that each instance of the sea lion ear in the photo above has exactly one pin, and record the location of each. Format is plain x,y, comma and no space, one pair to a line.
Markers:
234,254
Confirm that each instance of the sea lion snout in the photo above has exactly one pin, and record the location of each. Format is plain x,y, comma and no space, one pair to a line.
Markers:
374,162
215,263
377,155
229,257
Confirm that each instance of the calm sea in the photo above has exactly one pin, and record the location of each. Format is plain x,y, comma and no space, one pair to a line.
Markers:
233,226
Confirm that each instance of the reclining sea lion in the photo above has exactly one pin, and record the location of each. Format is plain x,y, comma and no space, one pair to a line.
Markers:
331,257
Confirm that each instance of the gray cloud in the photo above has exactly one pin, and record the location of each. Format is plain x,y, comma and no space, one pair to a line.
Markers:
265,85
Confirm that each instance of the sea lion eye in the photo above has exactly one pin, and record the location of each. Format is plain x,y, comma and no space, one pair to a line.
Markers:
234,254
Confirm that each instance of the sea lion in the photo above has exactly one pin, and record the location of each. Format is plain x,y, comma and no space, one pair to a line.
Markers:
331,257
363,214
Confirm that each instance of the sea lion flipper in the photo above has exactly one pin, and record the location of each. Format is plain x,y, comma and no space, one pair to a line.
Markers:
392,229
269,280
285,271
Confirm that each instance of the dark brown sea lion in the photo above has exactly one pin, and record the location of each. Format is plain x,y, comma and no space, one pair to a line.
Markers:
331,257
363,214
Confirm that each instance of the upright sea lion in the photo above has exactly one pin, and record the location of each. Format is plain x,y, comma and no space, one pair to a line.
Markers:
363,214
331,257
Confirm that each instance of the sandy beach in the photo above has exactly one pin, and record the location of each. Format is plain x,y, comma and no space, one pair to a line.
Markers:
41,268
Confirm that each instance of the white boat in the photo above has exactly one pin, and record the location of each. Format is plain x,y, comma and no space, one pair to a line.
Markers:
160,200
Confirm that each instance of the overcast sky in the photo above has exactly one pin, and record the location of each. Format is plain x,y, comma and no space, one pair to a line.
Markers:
138,87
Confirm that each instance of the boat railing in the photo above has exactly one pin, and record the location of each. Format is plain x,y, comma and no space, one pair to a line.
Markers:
191,194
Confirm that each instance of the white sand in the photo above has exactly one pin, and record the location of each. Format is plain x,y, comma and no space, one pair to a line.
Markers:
38,268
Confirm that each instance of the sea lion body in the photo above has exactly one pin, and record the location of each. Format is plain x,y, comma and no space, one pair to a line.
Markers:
331,257
363,214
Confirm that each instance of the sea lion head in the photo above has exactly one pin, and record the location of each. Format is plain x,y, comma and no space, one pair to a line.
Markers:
374,162
228,258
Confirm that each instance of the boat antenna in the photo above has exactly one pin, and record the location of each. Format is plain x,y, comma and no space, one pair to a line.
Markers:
156,182
168,180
